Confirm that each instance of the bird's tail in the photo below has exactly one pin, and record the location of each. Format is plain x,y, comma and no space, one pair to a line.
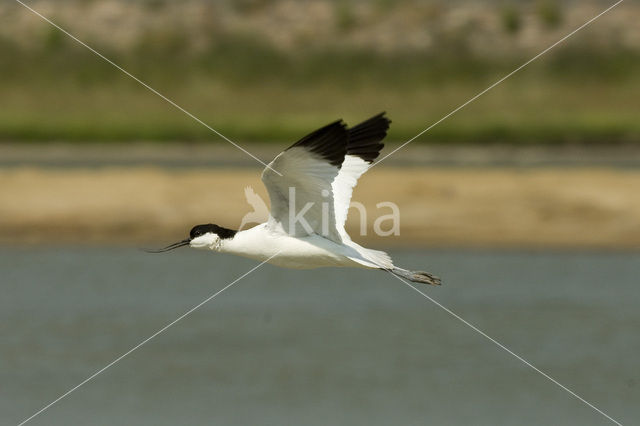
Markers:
416,276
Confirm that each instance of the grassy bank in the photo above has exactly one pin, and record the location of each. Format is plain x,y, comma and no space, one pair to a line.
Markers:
251,86
536,106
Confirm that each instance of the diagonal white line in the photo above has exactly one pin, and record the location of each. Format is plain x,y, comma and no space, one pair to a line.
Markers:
146,85
91,377
499,81
501,346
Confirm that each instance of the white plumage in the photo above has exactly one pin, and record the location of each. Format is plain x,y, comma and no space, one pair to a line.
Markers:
310,186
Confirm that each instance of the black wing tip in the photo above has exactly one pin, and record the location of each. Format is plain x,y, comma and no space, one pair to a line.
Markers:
335,140
383,115
365,139
379,119
329,142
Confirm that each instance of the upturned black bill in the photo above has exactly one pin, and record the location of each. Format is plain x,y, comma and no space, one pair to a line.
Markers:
170,247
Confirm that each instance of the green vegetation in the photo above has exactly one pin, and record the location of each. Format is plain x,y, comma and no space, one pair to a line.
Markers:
549,13
249,91
511,20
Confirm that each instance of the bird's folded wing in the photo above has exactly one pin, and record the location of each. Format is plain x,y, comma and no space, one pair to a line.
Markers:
301,196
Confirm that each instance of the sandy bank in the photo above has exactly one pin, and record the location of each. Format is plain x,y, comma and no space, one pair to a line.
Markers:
461,207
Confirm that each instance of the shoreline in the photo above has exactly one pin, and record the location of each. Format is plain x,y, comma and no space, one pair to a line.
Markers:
578,208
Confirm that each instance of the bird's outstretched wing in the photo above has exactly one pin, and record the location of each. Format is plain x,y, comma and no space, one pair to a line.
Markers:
307,167
318,174
363,147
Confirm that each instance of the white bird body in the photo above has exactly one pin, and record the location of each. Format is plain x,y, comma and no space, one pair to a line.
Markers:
310,186
312,251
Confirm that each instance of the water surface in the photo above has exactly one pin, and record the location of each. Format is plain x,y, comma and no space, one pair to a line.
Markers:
320,347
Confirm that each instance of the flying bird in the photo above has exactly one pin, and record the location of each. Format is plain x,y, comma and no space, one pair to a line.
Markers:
310,186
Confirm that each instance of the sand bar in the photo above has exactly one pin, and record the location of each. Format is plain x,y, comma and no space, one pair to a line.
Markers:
593,208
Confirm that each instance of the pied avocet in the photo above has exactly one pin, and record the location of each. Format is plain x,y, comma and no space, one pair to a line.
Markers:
310,186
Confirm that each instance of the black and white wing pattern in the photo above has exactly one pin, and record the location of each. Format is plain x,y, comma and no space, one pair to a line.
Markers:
363,147
303,192
318,174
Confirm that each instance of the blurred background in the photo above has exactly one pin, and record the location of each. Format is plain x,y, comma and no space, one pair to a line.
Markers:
525,202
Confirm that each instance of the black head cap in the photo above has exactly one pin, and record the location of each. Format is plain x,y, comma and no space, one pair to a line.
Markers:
199,230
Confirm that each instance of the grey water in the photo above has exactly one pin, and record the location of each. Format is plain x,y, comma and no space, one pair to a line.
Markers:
321,347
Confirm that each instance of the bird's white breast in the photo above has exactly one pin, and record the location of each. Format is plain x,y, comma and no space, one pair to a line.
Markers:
261,243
